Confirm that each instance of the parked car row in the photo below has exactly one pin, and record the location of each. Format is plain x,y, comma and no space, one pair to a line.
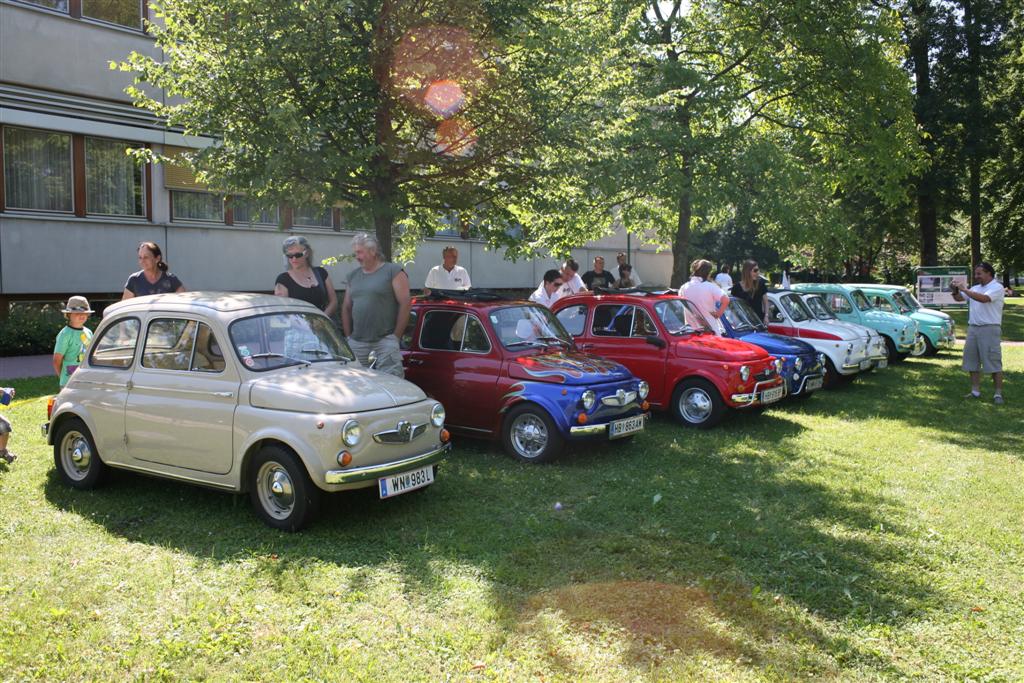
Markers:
261,395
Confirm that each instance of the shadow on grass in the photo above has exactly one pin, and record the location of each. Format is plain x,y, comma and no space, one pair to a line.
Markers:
715,519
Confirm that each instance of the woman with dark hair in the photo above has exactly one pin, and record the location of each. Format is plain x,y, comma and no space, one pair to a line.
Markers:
154,278
752,288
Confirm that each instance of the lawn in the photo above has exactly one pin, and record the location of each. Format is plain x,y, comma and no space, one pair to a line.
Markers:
871,532
1013,319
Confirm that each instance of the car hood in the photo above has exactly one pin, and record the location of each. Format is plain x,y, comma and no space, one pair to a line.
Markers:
778,344
820,329
883,318
567,367
856,328
941,315
713,347
927,318
331,388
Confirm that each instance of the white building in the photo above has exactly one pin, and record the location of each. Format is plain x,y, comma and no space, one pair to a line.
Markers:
74,207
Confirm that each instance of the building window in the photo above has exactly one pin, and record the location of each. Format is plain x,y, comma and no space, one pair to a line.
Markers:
196,206
59,5
122,12
247,211
113,180
311,216
37,170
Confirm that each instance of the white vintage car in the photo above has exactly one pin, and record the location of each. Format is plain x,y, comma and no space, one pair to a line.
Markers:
877,349
246,393
846,351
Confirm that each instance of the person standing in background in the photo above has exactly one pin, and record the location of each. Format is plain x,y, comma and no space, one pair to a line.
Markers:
625,280
707,296
303,280
573,283
550,289
154,278
448,275
598,277
752,288
73,340
621,259
983,350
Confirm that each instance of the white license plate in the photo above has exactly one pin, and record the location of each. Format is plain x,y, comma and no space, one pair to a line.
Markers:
865,364
772,395
882,363
814,383
398,484
627,426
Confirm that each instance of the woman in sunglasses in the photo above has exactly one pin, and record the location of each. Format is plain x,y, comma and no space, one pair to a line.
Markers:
304,281
154,278
752,288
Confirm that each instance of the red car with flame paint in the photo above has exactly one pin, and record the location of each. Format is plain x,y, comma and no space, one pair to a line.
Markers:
663,339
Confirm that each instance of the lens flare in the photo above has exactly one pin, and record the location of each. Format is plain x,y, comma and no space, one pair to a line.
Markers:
444,97
455,137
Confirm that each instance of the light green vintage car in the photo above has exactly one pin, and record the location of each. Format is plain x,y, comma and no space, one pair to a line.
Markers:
935,327
849,303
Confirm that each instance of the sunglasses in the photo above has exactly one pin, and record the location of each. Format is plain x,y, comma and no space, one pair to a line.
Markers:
298,254
558,284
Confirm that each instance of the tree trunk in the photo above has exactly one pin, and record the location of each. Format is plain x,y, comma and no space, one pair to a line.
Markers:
681,239
384,197
924,112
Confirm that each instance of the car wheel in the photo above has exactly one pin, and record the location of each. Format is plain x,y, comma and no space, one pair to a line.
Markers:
281,491
530,435
924,349
75,456
929,348
697,403
890,348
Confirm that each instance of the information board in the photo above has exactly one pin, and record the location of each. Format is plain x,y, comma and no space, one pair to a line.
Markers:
933,284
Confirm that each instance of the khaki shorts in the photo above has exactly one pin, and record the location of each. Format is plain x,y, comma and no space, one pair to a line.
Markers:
389,355
982,352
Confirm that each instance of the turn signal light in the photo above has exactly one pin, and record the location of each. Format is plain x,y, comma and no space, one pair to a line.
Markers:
445,436
344,458
645,406
582,418
49,406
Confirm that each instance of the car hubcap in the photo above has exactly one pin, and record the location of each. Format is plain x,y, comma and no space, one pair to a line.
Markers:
275,490
695,405
529,435
919,348
75,455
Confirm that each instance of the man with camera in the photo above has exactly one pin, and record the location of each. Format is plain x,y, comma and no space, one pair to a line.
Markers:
982,350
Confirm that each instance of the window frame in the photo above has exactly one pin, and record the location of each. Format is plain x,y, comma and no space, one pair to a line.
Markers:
632,317
142,180
100,336
143,7
462,342
207,221
586,318
191,352
5,151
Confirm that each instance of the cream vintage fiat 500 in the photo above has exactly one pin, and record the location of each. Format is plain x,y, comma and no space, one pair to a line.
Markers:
246,393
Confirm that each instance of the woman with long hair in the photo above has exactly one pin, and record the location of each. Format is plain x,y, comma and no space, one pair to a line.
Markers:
155,276
751,287
303,280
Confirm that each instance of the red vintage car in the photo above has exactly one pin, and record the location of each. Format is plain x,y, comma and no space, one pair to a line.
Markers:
663,339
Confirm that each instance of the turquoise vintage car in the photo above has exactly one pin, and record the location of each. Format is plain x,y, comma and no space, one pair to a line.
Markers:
850,304
935,327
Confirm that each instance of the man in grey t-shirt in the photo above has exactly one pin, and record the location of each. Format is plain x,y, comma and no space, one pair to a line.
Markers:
376,306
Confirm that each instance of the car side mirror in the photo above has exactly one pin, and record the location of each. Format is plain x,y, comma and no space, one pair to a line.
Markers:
655,340
371,360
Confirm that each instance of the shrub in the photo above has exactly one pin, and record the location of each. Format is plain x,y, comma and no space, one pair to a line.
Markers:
30,331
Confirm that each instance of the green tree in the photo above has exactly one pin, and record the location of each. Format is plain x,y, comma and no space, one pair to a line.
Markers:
405,110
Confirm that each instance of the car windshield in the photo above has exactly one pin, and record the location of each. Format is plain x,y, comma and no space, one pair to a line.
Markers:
906,300
860,300
523,326
795,308
275,340
741,317
819,308
680,317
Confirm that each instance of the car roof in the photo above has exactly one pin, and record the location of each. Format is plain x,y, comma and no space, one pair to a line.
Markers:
212,302
821,287
623,295
474,298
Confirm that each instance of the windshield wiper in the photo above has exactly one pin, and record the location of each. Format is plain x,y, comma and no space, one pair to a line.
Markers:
321,352
271,354
560,342
528,342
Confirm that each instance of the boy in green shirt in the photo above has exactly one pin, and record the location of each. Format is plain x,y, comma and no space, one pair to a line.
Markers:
73,340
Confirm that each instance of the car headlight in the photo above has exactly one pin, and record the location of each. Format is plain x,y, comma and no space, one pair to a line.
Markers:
588,398
778,365
643,389
744,373
351,432
798,363
437,415
849,347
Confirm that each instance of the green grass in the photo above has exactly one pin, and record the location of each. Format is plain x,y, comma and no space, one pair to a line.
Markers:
1013,320
872,532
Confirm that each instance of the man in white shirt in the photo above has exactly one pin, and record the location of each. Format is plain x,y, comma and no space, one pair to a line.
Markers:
622,261
982,351
708,297
550,289
573,283
448,275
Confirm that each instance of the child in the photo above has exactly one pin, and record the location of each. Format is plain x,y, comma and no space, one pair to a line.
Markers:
73,340
6,394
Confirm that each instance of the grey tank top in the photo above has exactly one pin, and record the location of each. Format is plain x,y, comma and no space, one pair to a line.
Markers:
374,307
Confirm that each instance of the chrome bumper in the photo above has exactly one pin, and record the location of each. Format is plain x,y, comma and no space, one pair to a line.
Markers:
357,474
947,342
598,429
45,428
751,399
804,382
915,349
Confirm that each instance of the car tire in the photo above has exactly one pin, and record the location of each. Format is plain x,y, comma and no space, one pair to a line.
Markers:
924,350
529,434
890,348
697,403
75,457
929,348
280,489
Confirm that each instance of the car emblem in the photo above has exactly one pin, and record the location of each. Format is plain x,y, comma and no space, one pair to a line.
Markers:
621,395
404,430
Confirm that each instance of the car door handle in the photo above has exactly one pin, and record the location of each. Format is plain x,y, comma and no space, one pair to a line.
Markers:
224,394
585,347
413,361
